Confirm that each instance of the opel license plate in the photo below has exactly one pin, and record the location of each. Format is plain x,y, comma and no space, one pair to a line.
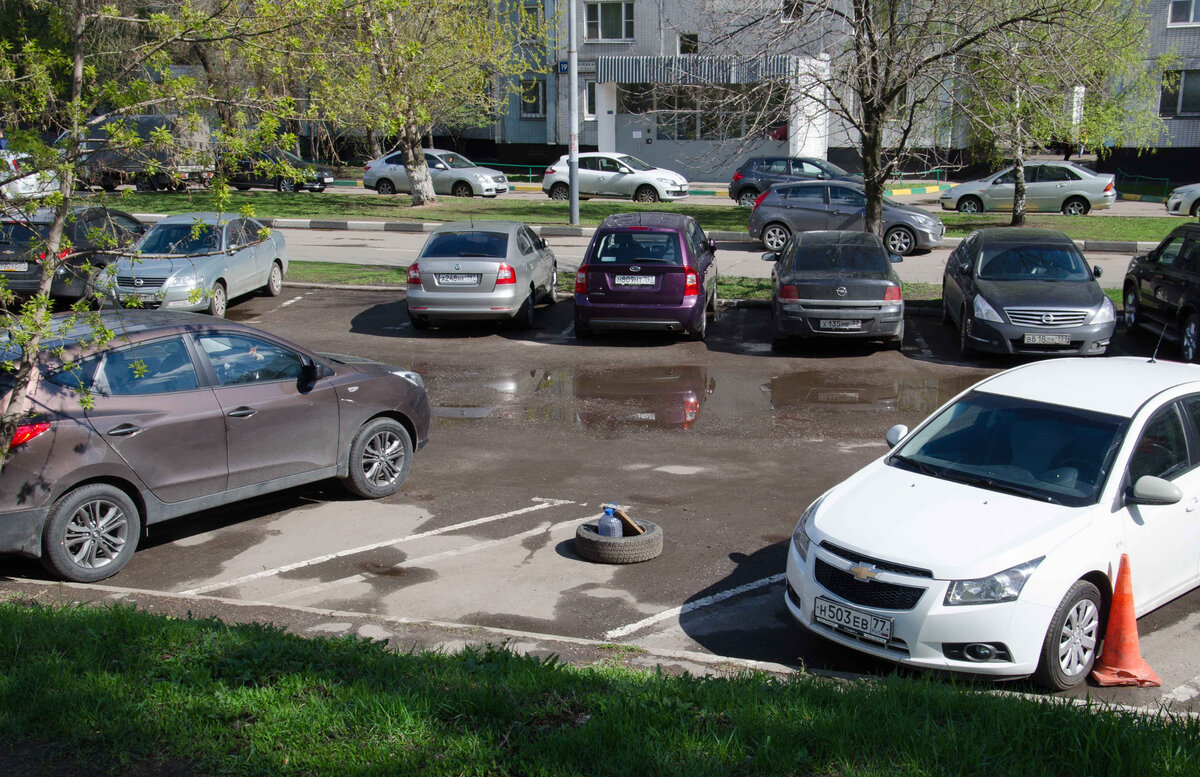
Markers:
840,323
14,266
852,620
635,280
1036,339
458,279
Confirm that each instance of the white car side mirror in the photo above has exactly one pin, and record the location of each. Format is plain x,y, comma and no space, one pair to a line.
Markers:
895,435
1149,490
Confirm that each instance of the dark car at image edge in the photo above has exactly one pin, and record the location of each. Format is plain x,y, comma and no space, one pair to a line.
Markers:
188,413
1161,291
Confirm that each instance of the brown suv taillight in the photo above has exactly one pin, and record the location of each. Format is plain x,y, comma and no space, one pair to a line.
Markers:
758,200
414,275
26,432
581,280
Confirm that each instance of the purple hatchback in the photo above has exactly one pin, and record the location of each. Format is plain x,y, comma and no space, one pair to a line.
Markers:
647,270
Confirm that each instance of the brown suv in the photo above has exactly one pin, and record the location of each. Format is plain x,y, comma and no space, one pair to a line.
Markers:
188,413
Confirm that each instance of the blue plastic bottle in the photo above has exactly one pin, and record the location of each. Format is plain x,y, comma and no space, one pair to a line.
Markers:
610,525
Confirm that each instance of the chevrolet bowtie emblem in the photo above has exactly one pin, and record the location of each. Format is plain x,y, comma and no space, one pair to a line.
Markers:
864,573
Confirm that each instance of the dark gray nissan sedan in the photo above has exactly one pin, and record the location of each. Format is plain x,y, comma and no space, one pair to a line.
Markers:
1019,290
835,284
187,413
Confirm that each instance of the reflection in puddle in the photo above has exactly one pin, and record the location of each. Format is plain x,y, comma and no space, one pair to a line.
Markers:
652,396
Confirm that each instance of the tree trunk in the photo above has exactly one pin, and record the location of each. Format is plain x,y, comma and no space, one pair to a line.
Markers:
373,146
414,163
874,174
1018,158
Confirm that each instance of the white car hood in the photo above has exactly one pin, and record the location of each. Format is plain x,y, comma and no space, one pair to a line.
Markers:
959,532
670,175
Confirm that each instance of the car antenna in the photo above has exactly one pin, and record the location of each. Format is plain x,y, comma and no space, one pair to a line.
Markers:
1162,333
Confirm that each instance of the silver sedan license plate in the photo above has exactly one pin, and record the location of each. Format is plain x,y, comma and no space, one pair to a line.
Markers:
840,323
1036,339
852,620
14,266
458,279
635,280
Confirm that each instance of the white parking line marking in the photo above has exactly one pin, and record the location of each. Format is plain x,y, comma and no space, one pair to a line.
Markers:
924,346
413,562
675,612
1185,692
542,505
291,301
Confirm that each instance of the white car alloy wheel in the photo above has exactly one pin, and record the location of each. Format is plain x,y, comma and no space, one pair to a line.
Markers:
1070,648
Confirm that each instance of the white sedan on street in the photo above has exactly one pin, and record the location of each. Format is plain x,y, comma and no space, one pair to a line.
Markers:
988,540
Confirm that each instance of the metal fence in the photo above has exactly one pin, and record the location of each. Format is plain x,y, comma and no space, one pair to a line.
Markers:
521,173
1142,184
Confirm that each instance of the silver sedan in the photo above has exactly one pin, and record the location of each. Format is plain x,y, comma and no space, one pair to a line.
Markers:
481,270
1049,186
451,173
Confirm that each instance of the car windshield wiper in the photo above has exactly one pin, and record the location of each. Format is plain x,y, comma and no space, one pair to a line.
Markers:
919,466
1003,487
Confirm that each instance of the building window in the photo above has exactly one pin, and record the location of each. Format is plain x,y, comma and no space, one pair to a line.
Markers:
589,101
793,10
610,21
1184,12
689,43
533,98
1180,93
533,19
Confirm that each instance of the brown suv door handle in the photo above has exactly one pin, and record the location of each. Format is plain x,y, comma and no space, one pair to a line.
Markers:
124,430
242,412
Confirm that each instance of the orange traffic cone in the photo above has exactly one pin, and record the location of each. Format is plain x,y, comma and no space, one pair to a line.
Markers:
1121,663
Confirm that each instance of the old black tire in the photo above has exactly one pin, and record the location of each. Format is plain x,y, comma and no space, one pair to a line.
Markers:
970,204
380,459
1076,206
284,185
746,198
217,300
384,186
775,236
900,240
646,193
274,285
1130,315
90,533
1189,339
560,191
1069,650
461,189
618,550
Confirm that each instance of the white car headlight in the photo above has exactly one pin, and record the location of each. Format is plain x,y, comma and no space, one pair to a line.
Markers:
800,536
1001,587
985,311
412,377
1106,313
184,281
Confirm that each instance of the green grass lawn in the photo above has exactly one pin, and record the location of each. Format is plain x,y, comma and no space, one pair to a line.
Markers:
333,205
115,691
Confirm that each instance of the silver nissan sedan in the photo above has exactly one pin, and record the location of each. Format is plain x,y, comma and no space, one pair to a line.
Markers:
481,270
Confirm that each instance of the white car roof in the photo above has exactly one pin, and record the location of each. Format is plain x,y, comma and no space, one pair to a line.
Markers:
1116,386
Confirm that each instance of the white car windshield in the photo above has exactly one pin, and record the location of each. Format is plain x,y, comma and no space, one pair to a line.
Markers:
180,240
634,163
1049,453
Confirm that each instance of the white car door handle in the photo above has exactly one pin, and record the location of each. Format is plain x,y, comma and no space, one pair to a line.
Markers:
1193,504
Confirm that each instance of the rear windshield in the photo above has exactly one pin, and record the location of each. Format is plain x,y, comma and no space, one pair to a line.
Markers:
179,239
841,257
1032,263
22,234
643,247
489,244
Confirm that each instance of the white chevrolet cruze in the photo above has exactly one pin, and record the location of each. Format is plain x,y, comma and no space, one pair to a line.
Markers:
988,540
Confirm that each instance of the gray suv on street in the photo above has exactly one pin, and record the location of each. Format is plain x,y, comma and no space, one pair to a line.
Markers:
759,173
808,206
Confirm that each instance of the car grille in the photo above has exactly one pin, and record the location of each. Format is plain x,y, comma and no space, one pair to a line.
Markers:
1051,318
883,596
130,282
883,566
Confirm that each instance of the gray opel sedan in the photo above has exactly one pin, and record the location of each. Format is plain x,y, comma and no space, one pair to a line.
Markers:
187,413
817,205
835,284
198,262
1017,290
481,270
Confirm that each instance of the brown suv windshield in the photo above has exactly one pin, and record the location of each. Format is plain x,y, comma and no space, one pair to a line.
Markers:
645,247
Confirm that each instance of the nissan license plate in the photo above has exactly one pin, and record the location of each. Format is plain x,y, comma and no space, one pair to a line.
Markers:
14,266
458,279
840,323
852,620
635,280
1036,339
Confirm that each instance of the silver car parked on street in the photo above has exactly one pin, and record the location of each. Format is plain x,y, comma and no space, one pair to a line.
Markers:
1049,186
198,262
620,176
1184,200
452,174
481,270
